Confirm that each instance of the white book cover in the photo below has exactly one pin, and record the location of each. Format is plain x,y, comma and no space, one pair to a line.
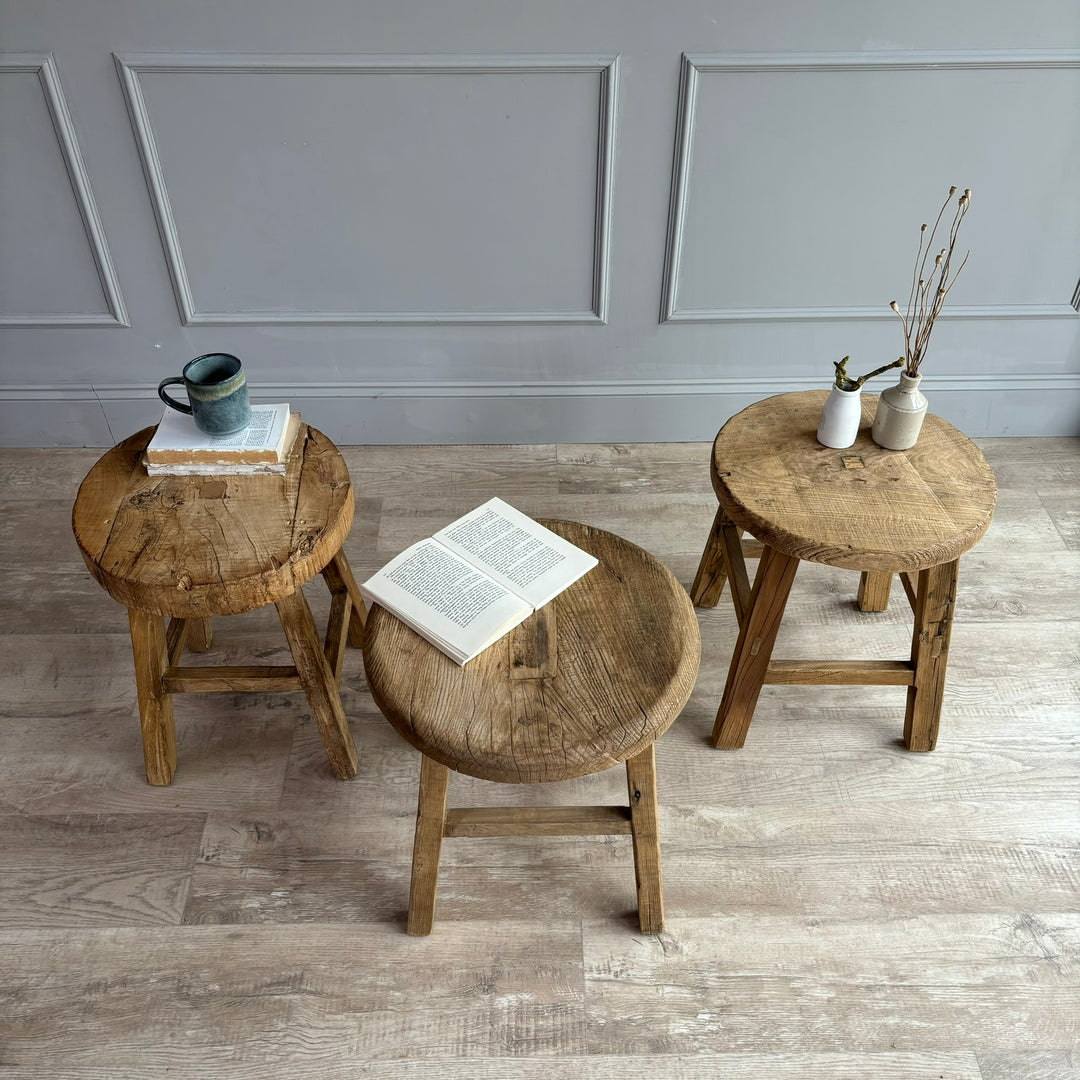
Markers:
178,440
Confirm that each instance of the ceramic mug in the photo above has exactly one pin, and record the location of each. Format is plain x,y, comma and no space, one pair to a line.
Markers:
217,392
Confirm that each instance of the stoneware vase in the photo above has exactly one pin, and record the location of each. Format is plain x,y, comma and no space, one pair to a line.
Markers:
840,418
899,415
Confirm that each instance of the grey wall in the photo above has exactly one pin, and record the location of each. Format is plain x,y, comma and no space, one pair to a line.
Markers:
549,220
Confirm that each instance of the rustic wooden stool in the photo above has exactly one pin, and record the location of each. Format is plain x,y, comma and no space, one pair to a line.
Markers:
191,547
883,512
590,680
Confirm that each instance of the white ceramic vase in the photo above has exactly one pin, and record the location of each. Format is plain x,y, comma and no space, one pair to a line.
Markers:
900,413
840,418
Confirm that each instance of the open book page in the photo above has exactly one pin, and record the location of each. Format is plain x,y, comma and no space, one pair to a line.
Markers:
517,552
445,600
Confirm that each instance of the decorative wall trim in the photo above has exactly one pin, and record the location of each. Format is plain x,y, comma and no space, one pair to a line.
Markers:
650,387
793,314
44,67
693,66
131,65
762,387
491,412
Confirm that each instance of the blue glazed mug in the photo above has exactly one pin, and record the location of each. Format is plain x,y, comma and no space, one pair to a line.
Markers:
217,392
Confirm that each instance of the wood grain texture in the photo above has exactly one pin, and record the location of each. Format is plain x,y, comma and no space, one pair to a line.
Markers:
192,546
904,510
711,574
918,510
1032,1065
1000,855
538,821
840,672
224,678
96,869
339,579
791,1065
887,982
151,654
734,559
836,907
645,831
911,589
185,546
874,591
200,635
757,636
592,679
279,996
317,678
427,845
930,655
627,647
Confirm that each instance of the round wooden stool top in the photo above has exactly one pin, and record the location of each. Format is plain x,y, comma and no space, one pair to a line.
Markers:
591,679
197,546
863,508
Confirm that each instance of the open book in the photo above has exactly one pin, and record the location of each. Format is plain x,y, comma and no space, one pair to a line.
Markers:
474,581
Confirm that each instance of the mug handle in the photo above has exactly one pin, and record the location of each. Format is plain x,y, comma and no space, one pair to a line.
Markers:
172,402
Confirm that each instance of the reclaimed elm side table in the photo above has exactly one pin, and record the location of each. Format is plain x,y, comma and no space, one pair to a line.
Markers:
192,547
882,512
589,681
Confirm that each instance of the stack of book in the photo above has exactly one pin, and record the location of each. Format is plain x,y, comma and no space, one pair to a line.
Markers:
179,448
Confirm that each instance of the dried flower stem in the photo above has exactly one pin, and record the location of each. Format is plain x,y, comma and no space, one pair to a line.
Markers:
928,290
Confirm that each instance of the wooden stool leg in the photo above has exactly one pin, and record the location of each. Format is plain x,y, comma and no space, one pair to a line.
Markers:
336,633
731,539
427,845
645,829
874,588
318,681
200,634
155,706
712,570
339,578
930,654
338,622
757,636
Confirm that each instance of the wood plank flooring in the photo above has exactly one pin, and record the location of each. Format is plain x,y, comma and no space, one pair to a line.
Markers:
837,908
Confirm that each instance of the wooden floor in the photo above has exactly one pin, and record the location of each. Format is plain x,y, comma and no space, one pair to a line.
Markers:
837,907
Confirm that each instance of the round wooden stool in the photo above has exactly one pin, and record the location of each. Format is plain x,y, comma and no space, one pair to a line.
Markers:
883,512
590,680
191,547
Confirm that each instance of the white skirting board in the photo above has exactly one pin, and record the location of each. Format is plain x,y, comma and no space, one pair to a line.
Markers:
432,414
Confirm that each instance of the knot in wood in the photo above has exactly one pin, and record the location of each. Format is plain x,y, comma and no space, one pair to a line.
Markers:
156,499
184,581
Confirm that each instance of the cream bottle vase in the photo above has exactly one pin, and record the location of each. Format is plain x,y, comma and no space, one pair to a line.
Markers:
840,418
900,413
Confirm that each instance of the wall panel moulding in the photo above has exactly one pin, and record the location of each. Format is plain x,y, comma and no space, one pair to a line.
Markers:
42,66
380,189
764,229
